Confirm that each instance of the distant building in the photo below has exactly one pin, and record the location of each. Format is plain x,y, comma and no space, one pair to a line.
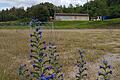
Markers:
71,17
97,18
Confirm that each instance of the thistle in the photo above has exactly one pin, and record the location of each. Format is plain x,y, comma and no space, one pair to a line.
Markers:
81,65
54,61
105,72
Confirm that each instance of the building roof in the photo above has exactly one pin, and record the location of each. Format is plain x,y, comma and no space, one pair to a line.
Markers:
70,14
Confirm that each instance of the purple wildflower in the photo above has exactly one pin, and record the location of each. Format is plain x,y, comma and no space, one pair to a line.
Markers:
44,78
49,67
81,65
31,35
110,67
44,43
99,73
110,72
40,60
37,29
34,65
97,79
40,33
105,70
101,67
105,62
52,76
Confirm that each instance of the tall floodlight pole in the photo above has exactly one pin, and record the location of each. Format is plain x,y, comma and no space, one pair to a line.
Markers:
87,8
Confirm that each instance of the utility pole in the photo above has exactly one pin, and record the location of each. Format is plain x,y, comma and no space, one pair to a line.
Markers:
87,7
87,10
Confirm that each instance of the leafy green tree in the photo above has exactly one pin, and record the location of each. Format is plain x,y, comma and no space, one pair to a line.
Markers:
40,12
114,11
78,8
114,8
50,7
45,10
96,8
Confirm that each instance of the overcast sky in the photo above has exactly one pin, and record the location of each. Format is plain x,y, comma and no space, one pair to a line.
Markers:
27,3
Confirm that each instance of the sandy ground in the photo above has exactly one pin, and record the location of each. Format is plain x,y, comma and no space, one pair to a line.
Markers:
98,44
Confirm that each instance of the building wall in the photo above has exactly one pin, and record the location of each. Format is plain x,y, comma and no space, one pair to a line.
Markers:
70,18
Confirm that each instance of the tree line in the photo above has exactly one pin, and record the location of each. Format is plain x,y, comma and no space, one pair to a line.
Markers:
44,11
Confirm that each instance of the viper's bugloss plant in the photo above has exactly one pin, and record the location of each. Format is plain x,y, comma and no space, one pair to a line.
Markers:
40,62
105,71
54,61
44,61
24,73
81,75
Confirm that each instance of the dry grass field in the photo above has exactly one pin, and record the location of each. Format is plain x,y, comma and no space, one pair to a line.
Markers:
97,43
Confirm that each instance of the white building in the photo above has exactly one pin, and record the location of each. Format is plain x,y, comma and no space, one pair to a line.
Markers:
71,17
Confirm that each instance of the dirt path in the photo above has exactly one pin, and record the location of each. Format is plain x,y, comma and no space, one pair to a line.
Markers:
93,68
113,59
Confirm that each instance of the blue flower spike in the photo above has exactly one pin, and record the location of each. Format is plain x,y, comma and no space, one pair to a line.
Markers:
81,65
44,61
105,71
54,61
38,55
23,72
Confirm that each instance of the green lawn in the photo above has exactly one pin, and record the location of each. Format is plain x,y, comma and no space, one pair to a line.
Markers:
112,23
14,27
